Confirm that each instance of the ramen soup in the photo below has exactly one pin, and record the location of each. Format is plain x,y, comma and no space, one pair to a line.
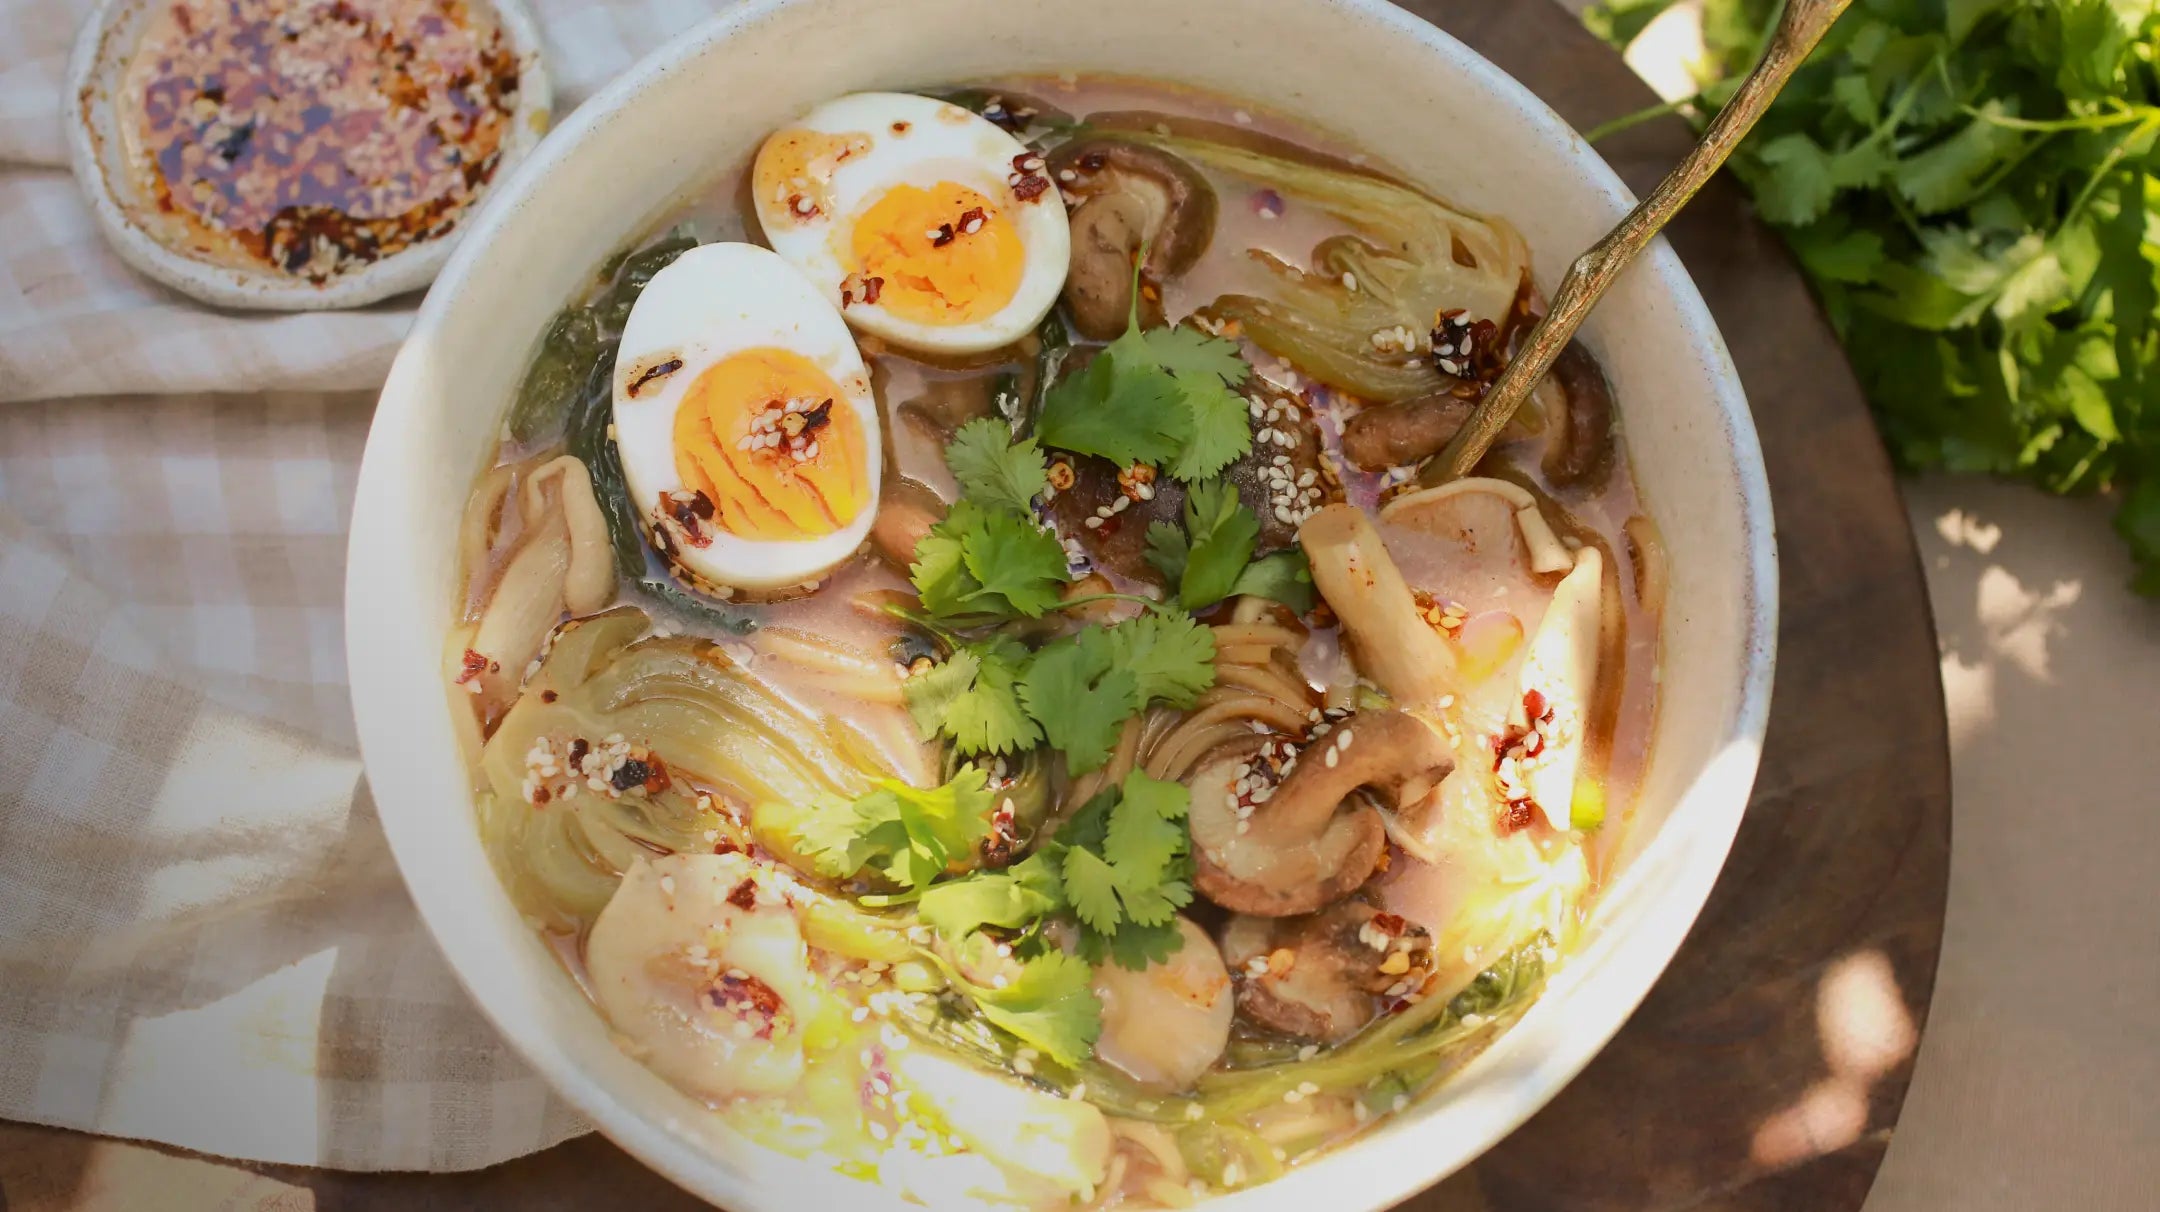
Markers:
965,665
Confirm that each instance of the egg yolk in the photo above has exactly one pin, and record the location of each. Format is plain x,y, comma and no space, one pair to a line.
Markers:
946,254
773,441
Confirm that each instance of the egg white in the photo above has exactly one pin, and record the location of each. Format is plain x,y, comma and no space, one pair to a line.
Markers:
714,301
940,142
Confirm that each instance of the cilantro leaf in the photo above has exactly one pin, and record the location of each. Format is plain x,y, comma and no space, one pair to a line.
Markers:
992,468
1222,532
1023,893
1218,433
1091,886
1284,577
1079,699
1016,559
1146,836
1125,415
1168,550
1161,396
1171,657
907,834
1944,176
993,561
972,697
1185,350
1051,1006
1134,946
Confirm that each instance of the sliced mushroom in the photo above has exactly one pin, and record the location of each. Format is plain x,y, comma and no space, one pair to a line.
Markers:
1559,680
1306,842
906,512
1580,452
1324,977
1396,648
1165,1025
1441,509
1410,431
1130,197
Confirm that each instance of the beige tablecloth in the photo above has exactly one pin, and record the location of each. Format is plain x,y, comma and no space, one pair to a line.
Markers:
203,940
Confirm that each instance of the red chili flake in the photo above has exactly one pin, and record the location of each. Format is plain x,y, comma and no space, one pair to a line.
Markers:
971,221
541,795
860,287
747,998
727,846
1027,189
901,128
1389,923
1518,815
578,749
548,696
744,896
1533,703
472,665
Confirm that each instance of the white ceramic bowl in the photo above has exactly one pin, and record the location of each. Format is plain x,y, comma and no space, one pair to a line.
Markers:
1361,67
98,151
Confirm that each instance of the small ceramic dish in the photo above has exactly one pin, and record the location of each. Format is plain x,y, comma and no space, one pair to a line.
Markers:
115,173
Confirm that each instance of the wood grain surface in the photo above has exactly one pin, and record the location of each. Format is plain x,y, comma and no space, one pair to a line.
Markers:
1766,1070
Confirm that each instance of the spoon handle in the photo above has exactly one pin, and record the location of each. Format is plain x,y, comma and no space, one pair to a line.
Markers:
1799,28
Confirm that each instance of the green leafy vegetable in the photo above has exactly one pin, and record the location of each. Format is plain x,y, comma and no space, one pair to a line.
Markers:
993,469
972,697
1164,397
1127,870
1079,698
1012,899
1171,657
1210,558
1050,1005
994,562
1970,186
907,834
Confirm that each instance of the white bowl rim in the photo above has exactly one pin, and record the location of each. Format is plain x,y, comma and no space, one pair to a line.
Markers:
408,269
1708,814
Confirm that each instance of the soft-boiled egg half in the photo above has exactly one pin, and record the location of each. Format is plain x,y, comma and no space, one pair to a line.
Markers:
924,223
748,432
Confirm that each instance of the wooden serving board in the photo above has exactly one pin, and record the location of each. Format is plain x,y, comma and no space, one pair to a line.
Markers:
1766,1070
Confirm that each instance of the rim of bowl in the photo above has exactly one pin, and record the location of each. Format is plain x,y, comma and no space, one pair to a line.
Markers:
1707,815
94,67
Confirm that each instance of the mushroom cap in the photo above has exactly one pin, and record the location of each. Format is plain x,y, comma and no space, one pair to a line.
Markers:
1338,968
1130,196
1308,844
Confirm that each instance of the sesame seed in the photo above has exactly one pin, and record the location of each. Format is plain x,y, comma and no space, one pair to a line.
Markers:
1333,755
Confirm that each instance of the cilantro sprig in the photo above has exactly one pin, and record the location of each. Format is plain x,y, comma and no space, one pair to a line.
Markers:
1163,396
987,563
1211,557
909,835
994,696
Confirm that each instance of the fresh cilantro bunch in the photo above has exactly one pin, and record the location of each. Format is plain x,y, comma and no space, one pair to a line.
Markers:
1164,397
994,696
1971,187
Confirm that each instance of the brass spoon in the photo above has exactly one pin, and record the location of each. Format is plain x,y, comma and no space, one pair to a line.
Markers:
1799,28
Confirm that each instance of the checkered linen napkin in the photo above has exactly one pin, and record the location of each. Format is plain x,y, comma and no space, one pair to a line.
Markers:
203,939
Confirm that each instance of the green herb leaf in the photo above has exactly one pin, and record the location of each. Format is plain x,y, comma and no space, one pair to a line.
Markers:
1016,897
993,469
1284,577
994,561
1051,1006
1222,532
1171,657
1160,397
1079,699
973,698
907,834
